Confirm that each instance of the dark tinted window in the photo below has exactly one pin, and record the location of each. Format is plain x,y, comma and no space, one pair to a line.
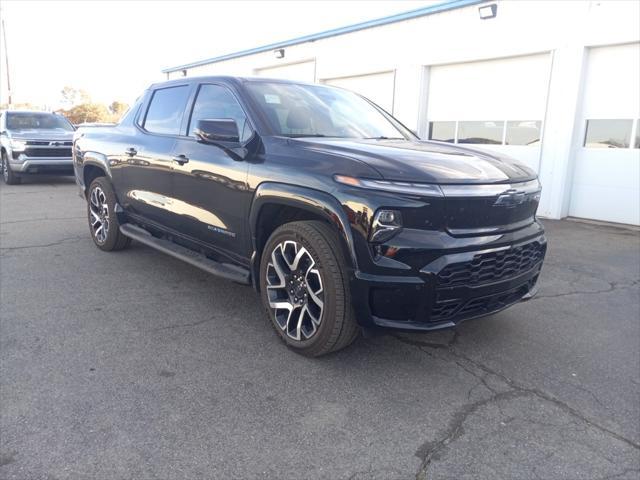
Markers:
36,121
524,132
485,132
608,133
215,102
165,111
442,131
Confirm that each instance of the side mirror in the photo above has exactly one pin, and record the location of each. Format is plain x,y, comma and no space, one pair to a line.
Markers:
217,130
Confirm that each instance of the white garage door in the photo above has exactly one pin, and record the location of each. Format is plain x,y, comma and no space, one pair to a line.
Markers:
377,87
606,179
494,104
301,71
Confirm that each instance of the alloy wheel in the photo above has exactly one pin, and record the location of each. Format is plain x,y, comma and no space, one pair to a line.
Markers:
294,290
99,214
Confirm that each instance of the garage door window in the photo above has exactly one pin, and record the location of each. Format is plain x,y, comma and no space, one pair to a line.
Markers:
442,131
486,133
608,133
523,133
490,132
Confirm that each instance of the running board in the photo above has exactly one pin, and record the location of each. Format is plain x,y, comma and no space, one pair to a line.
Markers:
224,270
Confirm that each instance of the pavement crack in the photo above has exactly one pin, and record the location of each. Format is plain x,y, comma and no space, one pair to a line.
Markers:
44,245
612,287
46,219
456,428
516,389
619,474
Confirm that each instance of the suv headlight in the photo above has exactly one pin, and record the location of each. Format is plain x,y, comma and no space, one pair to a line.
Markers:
18,145
386,223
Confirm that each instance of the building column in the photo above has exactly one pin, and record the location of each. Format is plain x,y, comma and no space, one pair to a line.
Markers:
561,129
406,95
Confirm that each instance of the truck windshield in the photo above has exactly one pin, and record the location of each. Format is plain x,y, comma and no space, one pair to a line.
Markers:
298,110
30,121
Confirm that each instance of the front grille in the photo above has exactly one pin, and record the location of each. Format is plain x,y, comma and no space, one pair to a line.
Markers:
474,307
46,143
48,152
492,266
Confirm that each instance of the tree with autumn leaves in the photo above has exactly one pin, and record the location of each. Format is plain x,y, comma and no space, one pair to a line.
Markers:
80,108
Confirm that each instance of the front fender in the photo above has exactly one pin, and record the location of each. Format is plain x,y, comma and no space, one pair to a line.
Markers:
315,201
94,159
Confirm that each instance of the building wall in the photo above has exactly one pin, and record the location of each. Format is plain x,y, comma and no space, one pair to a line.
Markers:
538,52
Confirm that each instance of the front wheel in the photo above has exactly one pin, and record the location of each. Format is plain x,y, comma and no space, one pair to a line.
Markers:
305,288
9,177
103,221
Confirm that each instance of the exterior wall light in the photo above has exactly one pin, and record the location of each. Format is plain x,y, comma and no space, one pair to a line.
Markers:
279,53
488,11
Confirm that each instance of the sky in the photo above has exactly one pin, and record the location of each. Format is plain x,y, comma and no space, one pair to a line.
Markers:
114,49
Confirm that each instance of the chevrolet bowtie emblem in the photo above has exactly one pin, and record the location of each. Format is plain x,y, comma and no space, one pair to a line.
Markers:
510,198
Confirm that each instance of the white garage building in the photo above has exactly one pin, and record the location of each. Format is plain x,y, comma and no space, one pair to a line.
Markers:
554,84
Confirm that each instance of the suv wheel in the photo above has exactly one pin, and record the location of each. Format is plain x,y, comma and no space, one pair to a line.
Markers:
103,222
8,176
305,288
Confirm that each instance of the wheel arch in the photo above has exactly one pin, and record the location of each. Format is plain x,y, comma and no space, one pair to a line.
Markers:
275,204
94,165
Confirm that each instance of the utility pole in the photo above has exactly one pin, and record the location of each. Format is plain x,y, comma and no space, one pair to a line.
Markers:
6,57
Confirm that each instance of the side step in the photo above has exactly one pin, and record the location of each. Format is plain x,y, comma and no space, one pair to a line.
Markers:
224,270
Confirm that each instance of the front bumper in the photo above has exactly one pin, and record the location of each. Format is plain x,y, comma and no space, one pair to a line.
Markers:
483,278
26,164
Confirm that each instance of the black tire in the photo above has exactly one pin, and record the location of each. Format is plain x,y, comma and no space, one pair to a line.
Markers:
101,194
8,175
337,327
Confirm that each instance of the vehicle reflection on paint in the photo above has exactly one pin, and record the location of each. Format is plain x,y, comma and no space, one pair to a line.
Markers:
177,207
221,179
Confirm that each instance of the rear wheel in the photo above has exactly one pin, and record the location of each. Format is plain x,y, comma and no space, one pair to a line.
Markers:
9,177
103,221
305,288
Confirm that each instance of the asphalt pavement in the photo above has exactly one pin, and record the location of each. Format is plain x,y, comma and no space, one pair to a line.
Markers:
133,365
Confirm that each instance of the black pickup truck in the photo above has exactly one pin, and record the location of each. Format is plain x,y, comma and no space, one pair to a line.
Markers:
338,215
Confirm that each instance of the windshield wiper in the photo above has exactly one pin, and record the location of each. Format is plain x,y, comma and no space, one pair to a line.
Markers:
382,137
297,135
314,135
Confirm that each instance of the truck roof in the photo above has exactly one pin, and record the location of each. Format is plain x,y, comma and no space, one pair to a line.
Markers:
226,79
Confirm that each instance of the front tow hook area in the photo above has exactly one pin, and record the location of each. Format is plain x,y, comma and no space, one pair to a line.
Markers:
529,295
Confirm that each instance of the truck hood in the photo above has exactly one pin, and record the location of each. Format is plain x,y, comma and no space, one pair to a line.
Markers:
52,134
421,161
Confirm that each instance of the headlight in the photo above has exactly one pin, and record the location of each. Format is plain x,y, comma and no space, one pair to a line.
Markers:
386,223
18,145
422,189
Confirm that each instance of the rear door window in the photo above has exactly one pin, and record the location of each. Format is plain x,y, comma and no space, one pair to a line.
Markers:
166,109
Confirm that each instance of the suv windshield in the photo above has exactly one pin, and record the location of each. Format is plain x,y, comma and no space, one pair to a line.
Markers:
30,121
297,110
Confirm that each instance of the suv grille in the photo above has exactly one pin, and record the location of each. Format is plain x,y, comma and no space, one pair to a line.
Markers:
492,266
48,152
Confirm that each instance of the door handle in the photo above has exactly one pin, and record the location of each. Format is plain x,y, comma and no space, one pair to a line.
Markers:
180,159
132,152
